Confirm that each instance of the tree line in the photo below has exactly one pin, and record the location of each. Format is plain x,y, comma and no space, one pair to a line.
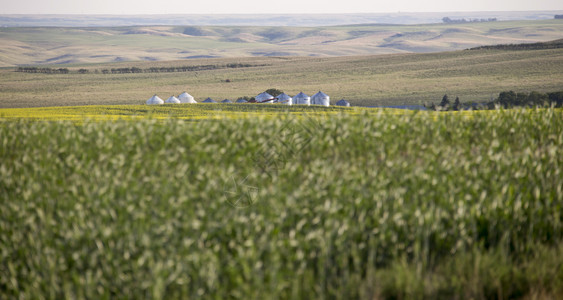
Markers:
533,99
532,46
506,99
43,70
175,69
129,70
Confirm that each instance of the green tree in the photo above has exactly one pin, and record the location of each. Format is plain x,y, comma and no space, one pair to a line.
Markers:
521,100
457,104
556,98
535,98
274,92
506,98
445,104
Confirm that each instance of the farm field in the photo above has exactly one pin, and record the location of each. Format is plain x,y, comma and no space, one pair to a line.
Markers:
104,197
79,45
188,112
395,79
345,205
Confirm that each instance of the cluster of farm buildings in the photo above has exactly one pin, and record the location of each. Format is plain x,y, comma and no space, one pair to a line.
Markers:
319,98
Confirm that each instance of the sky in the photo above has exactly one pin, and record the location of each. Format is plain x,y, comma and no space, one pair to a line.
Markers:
264,6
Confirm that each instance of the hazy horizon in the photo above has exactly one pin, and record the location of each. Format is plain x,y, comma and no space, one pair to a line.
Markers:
144,7
318,19
272,13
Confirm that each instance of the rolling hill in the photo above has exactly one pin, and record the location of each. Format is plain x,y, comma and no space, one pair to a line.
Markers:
79,45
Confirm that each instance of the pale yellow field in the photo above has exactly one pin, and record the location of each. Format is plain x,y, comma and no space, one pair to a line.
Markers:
203,111
395,79
191,112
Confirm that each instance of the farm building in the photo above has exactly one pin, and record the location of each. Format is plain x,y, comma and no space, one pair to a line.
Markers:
209,100
155,100
186,98
320,98
302,98
265,98
284,98
172,100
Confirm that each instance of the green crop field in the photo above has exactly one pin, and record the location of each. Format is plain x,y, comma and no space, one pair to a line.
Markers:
396,79
340,206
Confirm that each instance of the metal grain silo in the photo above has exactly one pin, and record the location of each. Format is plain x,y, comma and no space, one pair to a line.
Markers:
186,98
320,98
172,100
301,98
264,98
155,100
284,98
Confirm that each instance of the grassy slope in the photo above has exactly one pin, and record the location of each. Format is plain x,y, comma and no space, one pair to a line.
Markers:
474,75
42,45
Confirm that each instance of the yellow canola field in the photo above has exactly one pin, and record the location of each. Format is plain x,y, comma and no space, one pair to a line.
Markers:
191,112
205,111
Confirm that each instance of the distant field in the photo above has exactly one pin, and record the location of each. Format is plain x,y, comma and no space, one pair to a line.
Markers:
474,76
64,45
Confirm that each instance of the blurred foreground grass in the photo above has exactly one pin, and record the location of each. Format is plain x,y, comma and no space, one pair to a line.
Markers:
411,205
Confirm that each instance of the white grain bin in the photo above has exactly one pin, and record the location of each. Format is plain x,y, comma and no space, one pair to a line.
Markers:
240,100
284,98
301,98
209,100
320,98
155,100
264,98
172,100
186,98
226,101
343,103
